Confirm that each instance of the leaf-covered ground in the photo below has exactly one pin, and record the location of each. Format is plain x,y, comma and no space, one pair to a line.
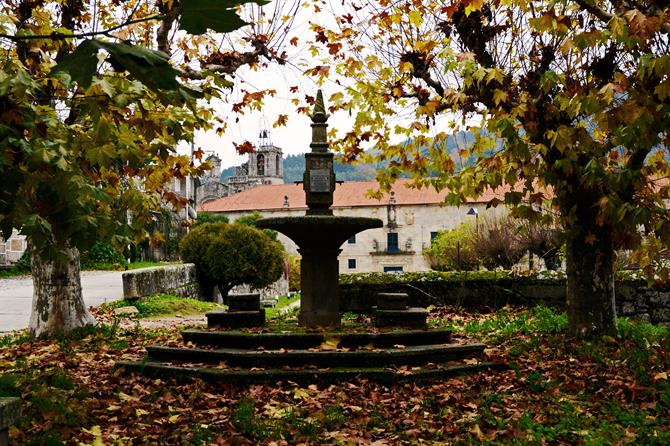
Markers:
558,391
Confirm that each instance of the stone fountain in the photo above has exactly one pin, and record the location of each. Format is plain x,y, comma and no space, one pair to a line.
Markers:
319,234
261,354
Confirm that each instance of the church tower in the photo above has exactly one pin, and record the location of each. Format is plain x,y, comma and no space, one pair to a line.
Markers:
266,163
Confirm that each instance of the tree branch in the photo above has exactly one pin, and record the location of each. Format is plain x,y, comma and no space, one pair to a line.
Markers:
61,36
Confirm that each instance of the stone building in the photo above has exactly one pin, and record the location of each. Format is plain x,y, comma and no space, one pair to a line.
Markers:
210,186
13,248
412,217
264,166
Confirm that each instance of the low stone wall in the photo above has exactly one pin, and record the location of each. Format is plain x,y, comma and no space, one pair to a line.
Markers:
634,298
181,280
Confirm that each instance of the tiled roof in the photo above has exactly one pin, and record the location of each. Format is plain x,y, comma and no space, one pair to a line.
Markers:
347,194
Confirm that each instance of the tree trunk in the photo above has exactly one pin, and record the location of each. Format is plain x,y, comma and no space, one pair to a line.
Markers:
58,305
590,284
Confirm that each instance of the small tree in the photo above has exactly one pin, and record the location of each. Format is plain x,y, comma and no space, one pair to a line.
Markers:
227,255
498,243
543,241
453,249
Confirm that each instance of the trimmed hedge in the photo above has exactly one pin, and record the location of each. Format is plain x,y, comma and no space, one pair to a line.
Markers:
495,289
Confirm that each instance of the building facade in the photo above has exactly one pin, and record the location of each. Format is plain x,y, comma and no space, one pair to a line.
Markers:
412,217
13,248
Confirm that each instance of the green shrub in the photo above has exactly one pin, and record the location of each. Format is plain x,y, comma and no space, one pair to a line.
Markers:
23,264
453,250
102,255
208,217
294,273
233,254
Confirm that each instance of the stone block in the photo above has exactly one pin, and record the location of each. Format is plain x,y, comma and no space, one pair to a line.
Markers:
392,301
126,311
410,318
660,298
244,302
660,315
236,319
10,411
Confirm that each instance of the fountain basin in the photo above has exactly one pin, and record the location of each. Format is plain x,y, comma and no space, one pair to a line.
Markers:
319,231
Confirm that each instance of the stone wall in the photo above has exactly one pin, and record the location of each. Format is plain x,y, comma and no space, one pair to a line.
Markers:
181,280
634,298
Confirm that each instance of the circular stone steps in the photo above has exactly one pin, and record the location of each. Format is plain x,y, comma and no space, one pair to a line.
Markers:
377,357
306,376
247,357
271,341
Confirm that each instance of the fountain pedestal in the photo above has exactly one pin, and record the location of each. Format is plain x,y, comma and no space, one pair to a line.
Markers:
319,238
319,304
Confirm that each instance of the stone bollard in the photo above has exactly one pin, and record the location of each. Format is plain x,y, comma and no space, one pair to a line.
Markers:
10,410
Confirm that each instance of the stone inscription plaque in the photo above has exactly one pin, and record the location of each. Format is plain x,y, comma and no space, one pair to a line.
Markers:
319,180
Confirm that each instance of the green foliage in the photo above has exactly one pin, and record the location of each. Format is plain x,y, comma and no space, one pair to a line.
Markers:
251,219
233,254
102,256
200,15
23,264
294,273
165,305
453,249
208,217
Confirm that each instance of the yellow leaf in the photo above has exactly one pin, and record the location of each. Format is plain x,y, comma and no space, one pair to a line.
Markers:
661,375
499,96
173,419
415,18
474,5
97,434
477,432
126,397
330,343
140,412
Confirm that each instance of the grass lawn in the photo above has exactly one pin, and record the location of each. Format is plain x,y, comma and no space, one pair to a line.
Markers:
558,391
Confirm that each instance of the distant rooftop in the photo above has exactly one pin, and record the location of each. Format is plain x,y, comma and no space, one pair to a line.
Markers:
348,194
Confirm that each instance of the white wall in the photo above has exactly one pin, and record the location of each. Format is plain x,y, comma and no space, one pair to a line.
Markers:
415,223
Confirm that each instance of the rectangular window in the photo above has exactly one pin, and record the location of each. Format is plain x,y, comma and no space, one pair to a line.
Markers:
393,269
352,240
433,234
352,263
392,242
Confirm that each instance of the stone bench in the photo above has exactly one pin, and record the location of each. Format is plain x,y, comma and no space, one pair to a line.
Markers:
10,410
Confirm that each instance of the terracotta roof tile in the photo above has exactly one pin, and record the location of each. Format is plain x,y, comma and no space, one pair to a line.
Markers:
347,194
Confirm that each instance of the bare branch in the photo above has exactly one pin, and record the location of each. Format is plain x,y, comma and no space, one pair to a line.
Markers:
61,36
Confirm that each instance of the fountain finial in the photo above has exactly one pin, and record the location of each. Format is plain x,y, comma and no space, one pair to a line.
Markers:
319,125
319,114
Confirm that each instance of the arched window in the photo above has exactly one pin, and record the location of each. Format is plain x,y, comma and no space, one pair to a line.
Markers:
277,161
260,165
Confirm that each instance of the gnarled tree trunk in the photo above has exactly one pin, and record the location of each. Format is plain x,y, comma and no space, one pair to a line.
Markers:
590,284
58,304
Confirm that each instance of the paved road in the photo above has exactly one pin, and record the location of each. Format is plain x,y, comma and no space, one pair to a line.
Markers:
16,296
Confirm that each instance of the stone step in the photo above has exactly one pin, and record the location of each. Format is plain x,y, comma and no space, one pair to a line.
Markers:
392,301
382,357
414,317
307,376
275,341
244,302
235,319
